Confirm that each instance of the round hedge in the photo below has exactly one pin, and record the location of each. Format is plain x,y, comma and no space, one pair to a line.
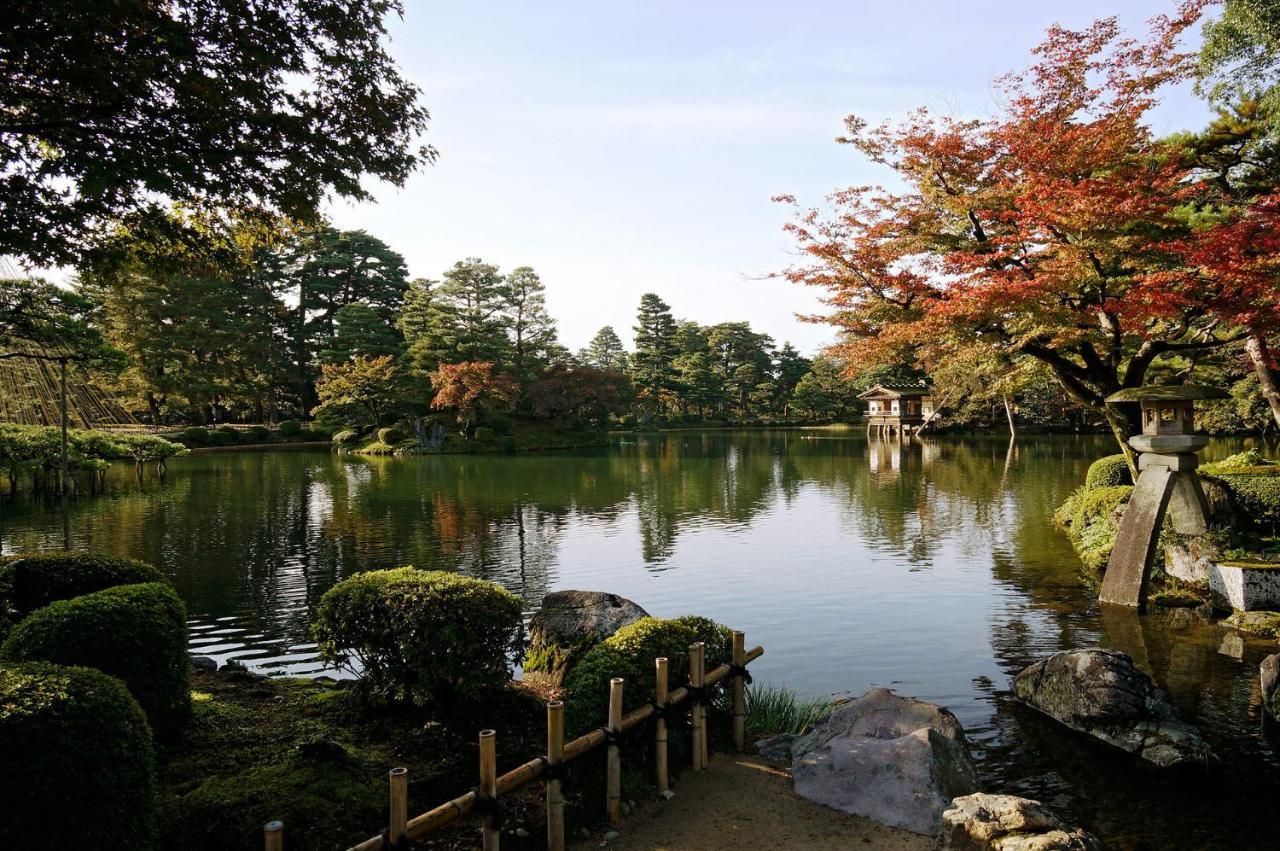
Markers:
29,581
1109,472
289,427
195,434
135,632
76,762
629,653
422,636
390,435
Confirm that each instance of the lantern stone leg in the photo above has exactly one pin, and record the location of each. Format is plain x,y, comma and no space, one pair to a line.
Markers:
1167,484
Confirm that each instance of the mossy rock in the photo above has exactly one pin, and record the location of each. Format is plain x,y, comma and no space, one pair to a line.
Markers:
568,625
1091,520
1108,472
390,435
79,771
135,632
1265,624
1176,598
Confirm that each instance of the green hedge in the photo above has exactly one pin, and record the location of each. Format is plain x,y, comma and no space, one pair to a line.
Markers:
29,581
196,435
135,632
289,427
78,769
390,436
1254,485
629,653
423,636
1108,472
1089,518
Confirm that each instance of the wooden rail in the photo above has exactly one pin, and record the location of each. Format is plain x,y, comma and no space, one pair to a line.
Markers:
492,787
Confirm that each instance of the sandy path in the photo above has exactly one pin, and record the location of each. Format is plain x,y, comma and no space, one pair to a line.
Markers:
742,803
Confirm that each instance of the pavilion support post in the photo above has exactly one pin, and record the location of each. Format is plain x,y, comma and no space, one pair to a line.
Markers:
555,759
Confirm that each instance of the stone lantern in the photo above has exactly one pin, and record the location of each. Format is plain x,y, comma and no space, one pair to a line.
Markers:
1167,481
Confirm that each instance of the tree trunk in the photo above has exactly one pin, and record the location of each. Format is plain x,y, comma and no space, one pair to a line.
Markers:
1268,374
1008,412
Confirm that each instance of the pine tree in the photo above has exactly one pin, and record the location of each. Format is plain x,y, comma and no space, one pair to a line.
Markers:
605,351
466,319
360,332
533,331
415,313
652,366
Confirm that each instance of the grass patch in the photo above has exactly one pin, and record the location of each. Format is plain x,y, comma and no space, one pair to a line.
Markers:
773,710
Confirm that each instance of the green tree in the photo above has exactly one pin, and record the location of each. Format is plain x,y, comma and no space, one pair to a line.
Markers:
1240,55
605,351
360,332
466,319
36,316
824,393
742,360
415,314
789,366
533,331
362,392
653,364
272,104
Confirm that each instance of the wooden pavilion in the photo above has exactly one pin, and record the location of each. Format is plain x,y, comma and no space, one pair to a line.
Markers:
897,408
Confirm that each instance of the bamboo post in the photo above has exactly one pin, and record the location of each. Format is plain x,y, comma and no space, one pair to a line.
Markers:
555,759
273,836
398,826
697,673
614,779
739,691
489,788
660,728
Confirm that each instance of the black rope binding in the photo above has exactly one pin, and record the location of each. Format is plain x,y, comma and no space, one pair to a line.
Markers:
739,671
670,712
491,808
559,771
611,736
401,844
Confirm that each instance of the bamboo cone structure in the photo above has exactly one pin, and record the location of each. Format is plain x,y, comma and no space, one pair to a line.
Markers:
273,836
697,680
660,727
739,691
398,826
614,789
555,759
489,787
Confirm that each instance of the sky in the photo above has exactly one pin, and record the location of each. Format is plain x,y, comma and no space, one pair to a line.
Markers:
621,148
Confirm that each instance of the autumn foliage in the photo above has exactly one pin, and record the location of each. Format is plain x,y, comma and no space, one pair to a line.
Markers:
469,386
1061,230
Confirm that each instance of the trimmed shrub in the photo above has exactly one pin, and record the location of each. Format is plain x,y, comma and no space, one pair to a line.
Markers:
258,433
422,636
501,425
289,428
78,765
223,437
1108,472
135,632
1089,518
484,434
629,653
390,436
314,434
346,437
196,435
29,581
1253,483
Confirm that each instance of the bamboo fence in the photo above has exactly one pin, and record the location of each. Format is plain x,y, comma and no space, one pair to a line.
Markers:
485,799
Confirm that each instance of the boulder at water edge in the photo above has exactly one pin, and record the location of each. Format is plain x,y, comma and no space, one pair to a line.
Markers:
568,625
1102,693
893,759
1007,823
1269,672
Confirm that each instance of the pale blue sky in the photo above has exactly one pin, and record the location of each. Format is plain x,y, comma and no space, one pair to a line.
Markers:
627,147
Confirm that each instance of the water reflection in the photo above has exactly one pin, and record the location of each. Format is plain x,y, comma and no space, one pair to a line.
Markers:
926,565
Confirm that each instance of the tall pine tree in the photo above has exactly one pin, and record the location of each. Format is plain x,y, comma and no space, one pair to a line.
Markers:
652,366
466,319
533,331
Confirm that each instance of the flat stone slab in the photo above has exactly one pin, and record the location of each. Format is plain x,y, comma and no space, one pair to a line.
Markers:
896,760
1168,444
1103,694
1008,823
1246,586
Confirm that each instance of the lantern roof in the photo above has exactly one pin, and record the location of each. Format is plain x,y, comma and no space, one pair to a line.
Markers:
1168,393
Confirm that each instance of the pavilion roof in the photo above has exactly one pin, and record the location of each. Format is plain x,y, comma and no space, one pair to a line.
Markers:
896,391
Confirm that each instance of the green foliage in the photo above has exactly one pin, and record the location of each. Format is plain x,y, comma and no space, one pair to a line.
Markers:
29,581
361,331
605,351
79,770
629,653
391,435
346,437
772,710
135,632
37,315
1089,518
485,435
223,437
422,636
653,364
196,436
289,428
258,434
467,319
33,449
1253,483
1108,472
1241,52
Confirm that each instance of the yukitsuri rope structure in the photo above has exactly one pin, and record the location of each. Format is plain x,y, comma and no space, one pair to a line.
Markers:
486,799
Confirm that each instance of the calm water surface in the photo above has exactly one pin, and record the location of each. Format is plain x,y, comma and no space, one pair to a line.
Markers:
932,568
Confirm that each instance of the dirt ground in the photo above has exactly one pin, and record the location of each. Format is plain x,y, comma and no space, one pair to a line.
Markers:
742,803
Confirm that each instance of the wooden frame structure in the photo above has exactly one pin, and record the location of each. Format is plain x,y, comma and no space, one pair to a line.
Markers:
484,799
897,408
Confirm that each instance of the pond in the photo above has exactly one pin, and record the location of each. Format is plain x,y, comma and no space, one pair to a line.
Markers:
931,567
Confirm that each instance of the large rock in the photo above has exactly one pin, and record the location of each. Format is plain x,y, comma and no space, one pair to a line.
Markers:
1007,823
568,625
1102,693
893,759
1269,674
